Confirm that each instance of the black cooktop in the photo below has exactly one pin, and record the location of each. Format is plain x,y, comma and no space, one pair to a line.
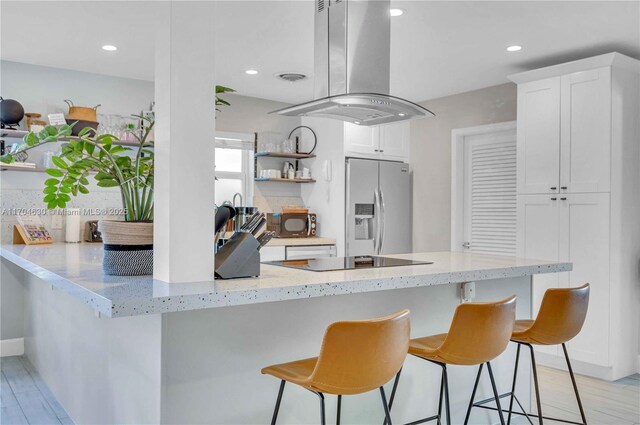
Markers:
345,263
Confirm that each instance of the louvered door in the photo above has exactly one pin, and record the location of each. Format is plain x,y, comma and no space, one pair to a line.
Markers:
490,193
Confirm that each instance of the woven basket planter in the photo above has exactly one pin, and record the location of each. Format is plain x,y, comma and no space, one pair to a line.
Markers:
128,247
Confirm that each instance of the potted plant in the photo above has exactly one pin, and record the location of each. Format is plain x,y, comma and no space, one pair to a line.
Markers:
128,244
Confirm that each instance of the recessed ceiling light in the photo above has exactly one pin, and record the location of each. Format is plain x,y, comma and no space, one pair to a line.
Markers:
401,114
251,72
514,48
109,48
356,122
396,12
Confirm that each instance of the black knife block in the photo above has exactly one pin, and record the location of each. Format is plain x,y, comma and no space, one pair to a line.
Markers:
239,257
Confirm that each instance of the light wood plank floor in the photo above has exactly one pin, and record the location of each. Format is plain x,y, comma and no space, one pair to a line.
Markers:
25,398
605,403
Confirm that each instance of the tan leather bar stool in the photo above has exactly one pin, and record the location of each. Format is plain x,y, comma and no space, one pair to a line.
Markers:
355,357
560,319
479,333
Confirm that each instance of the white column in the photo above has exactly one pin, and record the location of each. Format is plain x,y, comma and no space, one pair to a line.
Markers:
184,142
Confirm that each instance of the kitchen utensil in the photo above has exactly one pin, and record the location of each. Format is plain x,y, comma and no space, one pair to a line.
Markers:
81,113
259,226
223,214
80,125
243,214
11,112
255,219
264,238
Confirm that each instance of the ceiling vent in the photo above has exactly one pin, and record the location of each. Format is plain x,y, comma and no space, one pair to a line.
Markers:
291,77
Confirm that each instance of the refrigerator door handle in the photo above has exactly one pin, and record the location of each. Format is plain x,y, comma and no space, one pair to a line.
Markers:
382,222
376,221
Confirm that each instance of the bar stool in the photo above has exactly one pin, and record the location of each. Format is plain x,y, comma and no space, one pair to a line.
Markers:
355,357
479,333
560,319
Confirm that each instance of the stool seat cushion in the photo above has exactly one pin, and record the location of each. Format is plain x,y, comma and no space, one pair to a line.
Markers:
297,372
427,347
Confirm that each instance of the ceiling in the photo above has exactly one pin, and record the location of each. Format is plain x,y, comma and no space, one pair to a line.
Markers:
438,48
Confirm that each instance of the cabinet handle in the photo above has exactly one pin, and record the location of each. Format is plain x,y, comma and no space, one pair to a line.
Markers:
554,199
563,187
381,150
553,188
376,150
563,199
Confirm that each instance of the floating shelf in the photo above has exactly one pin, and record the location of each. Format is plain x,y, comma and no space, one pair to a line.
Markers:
9,167
19,134
260,179
284,155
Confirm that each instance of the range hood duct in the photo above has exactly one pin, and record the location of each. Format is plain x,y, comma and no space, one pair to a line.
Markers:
352,55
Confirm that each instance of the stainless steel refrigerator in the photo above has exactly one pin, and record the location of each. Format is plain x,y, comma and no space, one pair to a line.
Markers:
378,201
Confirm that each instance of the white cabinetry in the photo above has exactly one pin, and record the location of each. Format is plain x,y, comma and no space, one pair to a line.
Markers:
389,141
564,133
579,199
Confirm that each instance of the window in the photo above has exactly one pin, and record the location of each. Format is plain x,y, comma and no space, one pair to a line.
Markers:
234,167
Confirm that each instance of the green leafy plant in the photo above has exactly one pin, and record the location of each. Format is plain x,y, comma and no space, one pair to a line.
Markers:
220,101
100,157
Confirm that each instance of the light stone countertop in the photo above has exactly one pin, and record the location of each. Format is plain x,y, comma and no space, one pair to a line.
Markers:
76,270
301,241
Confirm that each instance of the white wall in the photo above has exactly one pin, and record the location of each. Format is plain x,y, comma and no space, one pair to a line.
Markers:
327,198
431,156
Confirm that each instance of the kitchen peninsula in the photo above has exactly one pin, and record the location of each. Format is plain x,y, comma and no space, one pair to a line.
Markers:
136,350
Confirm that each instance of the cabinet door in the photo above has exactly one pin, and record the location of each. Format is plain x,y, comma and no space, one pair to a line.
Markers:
584,241
272,253
539,136
395,141
361,140
538,237
585,148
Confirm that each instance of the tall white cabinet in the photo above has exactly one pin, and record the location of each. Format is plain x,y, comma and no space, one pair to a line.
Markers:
578,180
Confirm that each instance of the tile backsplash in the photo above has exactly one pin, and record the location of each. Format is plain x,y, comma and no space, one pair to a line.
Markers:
94,206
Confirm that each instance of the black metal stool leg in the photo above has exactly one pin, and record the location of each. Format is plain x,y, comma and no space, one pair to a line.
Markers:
440,400
387,415
495,393
322,416
275,412
446,393
513,386
536,386
393,393
473,394
339,407
575,386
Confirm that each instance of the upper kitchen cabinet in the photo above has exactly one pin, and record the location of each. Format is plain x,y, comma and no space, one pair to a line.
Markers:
565,125
538,136
388,141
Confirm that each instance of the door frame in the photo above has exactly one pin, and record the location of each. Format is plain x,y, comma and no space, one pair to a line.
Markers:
458,136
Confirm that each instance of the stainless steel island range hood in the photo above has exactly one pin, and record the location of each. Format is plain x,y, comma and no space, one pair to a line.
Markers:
352,54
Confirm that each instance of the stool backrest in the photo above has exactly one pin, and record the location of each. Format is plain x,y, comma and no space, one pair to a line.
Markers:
359,356
479,332
561,315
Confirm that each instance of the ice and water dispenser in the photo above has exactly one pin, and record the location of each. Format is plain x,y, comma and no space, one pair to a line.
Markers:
364,219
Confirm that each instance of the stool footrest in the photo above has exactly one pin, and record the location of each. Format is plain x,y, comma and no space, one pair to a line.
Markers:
421,421
481,404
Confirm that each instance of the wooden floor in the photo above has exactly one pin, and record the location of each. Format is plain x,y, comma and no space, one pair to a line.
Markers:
605,403
25,399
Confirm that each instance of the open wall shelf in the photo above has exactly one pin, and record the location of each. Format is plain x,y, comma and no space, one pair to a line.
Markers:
260,179
284,155
19,134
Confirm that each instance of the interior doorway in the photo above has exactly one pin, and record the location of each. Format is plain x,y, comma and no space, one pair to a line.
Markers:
483,198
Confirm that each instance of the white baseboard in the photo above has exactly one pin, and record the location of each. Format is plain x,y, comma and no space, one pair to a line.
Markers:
12,347
638,371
